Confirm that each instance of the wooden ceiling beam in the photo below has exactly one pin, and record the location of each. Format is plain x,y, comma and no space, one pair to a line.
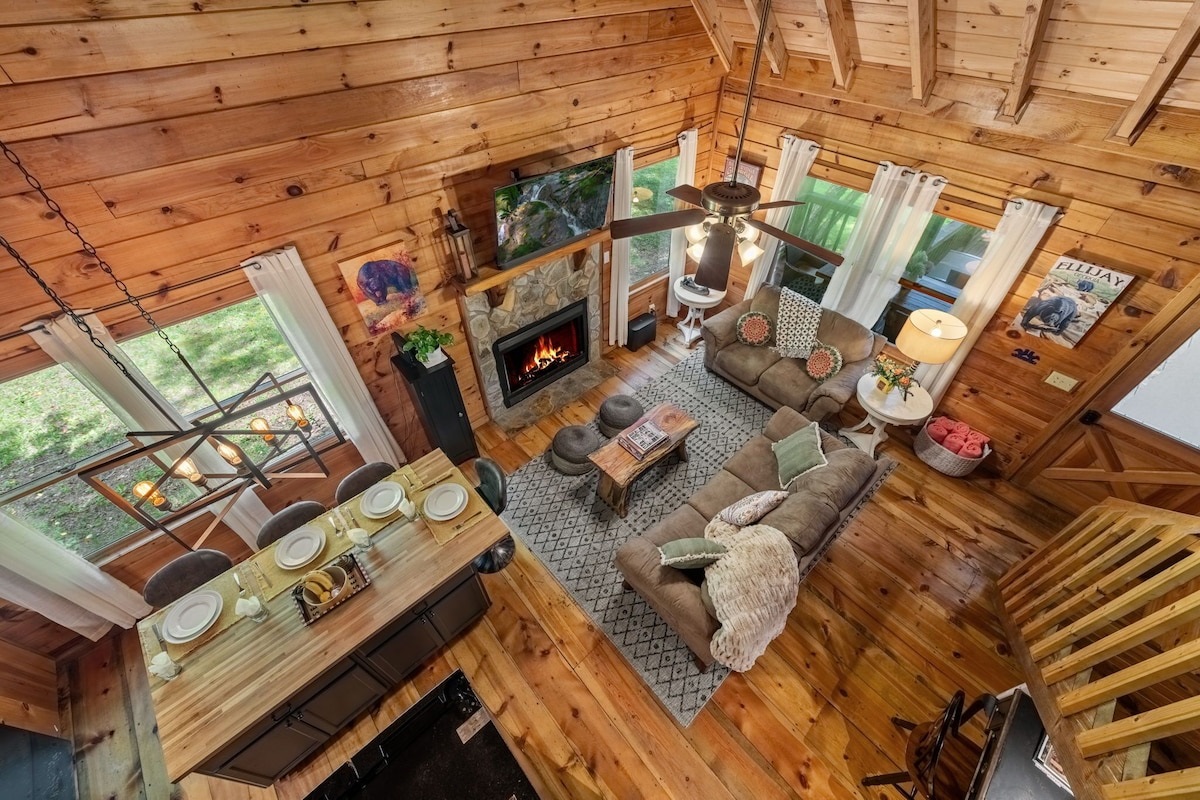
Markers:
922,35
777,53
1033,30
833,17
1183,43
718,33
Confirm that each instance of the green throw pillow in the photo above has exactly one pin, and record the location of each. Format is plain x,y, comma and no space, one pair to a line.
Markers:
706,600
690,553
798,454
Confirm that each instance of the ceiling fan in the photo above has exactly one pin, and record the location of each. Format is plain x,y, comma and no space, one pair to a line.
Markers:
722,221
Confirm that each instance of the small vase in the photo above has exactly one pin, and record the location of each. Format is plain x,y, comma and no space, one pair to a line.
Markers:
436,357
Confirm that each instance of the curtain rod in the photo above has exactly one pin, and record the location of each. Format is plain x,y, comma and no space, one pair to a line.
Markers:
4,337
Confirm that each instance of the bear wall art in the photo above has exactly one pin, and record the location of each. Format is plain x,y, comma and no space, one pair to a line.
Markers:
384,286
1071,299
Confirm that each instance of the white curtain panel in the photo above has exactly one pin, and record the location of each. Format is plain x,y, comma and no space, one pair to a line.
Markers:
618,292
885,236
685,173
1012,245
41,575
69,346
287,291
795,161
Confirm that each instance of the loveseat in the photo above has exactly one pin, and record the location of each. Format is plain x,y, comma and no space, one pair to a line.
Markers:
779,382
819,503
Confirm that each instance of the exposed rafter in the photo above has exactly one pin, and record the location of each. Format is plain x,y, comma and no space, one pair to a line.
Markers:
718,32
1033,30
1133,121
777,53
922,45
834,19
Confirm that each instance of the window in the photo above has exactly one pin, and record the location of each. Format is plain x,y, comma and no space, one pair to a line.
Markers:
649,254
51,425
827,218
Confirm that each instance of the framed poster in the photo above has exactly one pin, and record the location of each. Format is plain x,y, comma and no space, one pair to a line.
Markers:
1070,300
747,173
383,284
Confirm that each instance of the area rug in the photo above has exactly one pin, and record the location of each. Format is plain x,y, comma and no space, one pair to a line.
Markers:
575,534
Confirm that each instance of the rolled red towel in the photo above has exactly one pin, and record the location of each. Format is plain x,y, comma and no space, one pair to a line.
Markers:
971,450
960,427
977,437
954,442
938,430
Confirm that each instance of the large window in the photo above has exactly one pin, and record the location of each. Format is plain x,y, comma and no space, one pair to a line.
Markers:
827,219
650,254
50,425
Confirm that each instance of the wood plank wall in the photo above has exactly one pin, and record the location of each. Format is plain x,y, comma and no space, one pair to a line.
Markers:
1132,209
28,690
183,138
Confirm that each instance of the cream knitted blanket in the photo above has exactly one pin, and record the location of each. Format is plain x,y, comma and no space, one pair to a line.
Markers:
753,589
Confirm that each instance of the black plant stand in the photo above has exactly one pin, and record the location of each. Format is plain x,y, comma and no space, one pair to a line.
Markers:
434,393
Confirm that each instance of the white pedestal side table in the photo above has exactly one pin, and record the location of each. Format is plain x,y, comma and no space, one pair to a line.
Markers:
697,304
886,409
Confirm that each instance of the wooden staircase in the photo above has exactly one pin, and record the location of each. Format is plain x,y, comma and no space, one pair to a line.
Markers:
1105,620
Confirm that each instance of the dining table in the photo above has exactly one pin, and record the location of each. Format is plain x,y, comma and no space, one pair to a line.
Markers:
239,673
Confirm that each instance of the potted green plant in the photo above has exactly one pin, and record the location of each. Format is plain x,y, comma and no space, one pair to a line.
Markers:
426,345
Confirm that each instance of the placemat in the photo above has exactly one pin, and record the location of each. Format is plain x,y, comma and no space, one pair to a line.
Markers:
276,580
475,511
224,585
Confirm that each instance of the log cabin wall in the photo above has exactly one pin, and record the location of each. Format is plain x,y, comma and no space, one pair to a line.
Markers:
185,137
1129,208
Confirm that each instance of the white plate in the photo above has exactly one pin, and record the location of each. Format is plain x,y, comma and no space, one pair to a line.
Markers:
192,616
299,547
381,500
446,501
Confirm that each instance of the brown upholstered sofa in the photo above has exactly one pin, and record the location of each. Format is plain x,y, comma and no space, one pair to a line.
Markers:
778,382
820,502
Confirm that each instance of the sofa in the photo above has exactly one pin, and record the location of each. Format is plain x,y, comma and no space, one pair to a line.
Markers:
820,502
779,382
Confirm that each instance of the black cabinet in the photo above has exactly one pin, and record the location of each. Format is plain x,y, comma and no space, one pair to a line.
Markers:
435,394
275,751
405,644
341,700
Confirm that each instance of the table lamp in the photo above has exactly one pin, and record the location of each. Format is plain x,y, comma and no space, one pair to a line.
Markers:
930,336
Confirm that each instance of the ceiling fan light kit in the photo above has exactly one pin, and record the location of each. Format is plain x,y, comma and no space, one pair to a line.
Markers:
725,223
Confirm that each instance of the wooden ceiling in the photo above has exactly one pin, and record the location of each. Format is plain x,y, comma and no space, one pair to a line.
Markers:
1140,51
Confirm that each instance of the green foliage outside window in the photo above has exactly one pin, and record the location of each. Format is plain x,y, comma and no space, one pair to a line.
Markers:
650,254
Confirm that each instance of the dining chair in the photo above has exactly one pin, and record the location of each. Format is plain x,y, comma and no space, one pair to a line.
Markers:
940,764
287,520
362,479
176,578
493,488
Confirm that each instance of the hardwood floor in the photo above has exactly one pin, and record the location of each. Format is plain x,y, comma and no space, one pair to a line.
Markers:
894,619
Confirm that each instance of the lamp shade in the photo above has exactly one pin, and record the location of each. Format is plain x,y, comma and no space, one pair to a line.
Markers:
930,336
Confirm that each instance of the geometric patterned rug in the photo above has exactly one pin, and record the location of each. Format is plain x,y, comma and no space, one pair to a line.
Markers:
575,534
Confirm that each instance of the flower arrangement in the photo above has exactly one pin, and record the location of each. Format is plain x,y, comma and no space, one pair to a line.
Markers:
894,374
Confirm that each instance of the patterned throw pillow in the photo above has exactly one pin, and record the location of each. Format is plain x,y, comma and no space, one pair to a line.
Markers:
690,553
750,510
799,319
754,328
823,362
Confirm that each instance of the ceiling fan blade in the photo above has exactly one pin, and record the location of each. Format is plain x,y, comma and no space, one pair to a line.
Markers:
795,241
713,271
636,226
779,204
686,193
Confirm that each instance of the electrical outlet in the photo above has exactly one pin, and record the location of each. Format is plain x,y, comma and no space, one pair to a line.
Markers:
1061,381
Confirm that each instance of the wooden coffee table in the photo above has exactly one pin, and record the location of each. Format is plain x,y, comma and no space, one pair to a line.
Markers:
619,469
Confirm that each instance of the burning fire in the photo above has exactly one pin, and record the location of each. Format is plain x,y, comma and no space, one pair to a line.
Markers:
545,354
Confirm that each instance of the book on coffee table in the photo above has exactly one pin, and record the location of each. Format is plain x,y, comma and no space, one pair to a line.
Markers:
643,439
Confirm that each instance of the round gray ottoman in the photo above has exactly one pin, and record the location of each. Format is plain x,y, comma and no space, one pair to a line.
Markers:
571,447
617,413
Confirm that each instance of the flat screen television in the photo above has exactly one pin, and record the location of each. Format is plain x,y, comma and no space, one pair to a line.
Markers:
540,214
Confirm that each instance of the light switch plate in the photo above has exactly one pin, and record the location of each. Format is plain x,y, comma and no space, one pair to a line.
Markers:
1061,381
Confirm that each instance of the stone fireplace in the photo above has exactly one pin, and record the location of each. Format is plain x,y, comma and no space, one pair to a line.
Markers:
561,296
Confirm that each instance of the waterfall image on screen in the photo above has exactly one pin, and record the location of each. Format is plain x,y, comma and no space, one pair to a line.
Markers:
539,214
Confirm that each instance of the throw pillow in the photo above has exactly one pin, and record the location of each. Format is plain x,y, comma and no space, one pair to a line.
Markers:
690,553
799,454
754,329
706,600
823,362
799,319
750,510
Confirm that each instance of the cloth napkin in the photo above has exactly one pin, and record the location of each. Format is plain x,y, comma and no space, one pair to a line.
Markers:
247,606
954,442
161,666
960,427
360,537
971,450
977,437
938,430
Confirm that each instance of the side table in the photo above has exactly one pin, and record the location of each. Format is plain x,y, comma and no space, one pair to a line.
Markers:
886,409
697,304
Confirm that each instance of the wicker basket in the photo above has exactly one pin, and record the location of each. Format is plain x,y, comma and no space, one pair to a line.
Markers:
943,460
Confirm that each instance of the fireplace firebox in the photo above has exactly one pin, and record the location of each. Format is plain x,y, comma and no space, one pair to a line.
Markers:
542,352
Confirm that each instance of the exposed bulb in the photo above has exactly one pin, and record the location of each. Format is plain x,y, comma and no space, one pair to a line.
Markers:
229,453
297,415
186,468
262,428
144,490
